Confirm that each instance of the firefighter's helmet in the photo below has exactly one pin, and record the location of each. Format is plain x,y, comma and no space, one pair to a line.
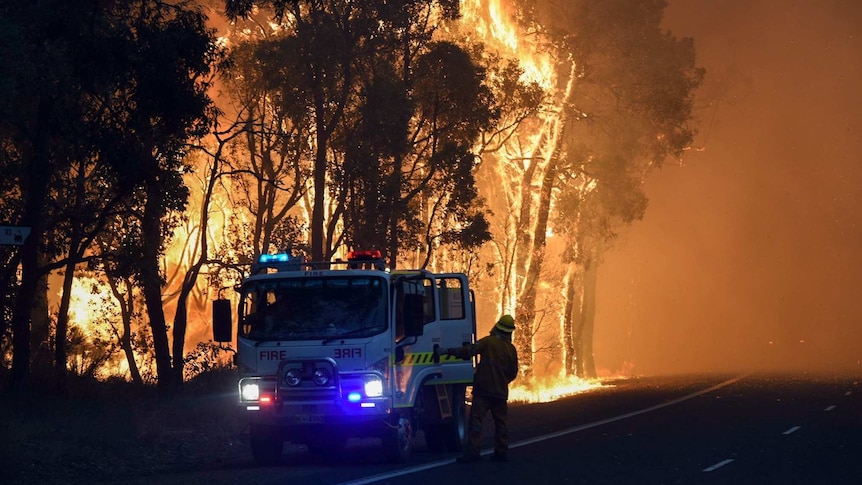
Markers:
505,324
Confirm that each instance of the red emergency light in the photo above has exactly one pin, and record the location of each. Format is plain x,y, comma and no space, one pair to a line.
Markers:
364,255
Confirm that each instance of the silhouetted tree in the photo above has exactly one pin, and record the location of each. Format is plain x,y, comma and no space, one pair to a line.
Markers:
324,44
409,168
98,84
169,55
42,109
270,164
391,116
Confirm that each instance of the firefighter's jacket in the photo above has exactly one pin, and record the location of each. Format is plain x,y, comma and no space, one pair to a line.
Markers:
497,367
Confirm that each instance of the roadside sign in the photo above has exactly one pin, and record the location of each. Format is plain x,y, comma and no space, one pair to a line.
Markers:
13,235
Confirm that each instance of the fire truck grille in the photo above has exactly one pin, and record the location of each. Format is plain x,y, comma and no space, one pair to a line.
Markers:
288,394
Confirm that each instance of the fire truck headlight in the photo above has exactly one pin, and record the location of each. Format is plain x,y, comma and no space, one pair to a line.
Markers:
373,386
321,376
293,377
250,391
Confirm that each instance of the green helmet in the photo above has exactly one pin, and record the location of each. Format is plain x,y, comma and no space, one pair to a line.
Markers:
505,324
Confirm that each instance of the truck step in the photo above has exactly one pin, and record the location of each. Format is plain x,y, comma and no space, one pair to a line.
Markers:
444,401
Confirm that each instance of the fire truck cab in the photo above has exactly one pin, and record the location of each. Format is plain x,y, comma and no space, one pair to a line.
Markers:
327,351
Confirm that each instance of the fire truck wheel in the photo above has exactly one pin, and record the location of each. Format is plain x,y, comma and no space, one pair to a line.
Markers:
398,439
266,444
448,434
455,431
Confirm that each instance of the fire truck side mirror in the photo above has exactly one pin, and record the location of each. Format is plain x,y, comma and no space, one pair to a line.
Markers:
222,321
414,315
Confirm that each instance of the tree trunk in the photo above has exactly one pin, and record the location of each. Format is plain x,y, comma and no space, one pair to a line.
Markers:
579,319
527,302
60,351
319,174
35,192
179,331
9,282
394,213
41,354
590,279
570,314
525,217
151,282
182,313
127,309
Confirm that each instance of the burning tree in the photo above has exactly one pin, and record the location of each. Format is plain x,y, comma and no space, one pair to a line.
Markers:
619,105
370,123
615,93
383,114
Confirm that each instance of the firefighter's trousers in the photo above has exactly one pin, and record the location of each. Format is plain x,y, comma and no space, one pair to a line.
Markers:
499,412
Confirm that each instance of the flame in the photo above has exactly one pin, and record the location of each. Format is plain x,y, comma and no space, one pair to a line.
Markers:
547,390
87,306
534,145
491,22
93,311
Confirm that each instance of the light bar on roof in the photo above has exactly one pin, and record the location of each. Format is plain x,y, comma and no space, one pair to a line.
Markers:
274,258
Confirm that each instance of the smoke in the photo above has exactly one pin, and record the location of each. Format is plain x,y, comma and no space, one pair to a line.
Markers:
749,257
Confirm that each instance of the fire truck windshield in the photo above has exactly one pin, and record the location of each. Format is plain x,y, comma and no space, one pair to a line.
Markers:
326,307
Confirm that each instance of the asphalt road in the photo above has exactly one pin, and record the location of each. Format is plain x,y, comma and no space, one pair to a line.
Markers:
718,429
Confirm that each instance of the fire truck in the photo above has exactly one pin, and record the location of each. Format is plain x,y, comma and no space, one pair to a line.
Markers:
329,351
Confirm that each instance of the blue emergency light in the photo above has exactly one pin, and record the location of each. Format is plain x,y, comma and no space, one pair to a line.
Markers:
274,258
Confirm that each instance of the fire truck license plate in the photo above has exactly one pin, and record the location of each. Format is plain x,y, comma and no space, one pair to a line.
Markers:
308,418
308,415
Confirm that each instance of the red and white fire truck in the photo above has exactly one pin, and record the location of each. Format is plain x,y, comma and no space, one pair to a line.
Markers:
327,351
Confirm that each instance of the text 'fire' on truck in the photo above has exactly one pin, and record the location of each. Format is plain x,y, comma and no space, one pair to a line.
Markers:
327,351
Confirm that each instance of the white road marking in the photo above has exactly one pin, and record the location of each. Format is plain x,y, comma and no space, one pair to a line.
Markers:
831,408
795,428
545,437
718,465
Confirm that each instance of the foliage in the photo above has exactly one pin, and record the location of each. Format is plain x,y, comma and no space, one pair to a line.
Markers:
207,357
347,125
368,103
96,117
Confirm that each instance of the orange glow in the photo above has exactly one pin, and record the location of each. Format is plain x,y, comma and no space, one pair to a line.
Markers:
90,304
529,152
93,311
492,22
547,390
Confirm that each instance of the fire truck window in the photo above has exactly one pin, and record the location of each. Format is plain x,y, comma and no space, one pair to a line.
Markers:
451,299
428,303
399,319
316,308
247,314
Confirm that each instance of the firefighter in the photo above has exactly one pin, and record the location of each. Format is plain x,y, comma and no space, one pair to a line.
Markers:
497,367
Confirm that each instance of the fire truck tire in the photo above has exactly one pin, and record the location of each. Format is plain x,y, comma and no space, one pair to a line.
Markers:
398,438
266,444
455,431
450,434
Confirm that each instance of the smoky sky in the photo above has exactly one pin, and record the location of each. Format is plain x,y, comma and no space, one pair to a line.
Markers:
750,253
